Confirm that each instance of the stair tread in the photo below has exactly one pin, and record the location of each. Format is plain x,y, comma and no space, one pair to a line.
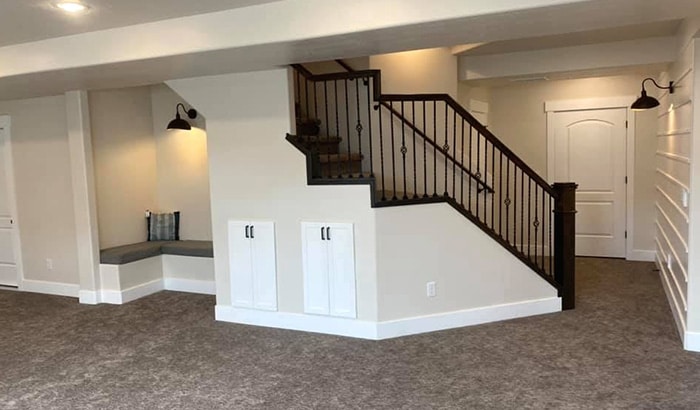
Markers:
319,140
327,158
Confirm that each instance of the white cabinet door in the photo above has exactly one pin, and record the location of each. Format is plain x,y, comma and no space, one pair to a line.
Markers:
341,251
315,264
264,265
240,263
329,269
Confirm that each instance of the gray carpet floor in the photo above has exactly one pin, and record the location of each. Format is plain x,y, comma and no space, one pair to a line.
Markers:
618,350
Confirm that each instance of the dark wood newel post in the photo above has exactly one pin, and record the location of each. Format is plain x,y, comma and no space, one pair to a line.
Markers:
565,242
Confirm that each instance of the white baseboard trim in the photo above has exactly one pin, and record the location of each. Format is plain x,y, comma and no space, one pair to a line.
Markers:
50,288
641,255
467,317
389,329
116,297
203,287
297,321
691,341
89,297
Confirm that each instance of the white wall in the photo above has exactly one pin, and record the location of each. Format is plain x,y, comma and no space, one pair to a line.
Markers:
183,170
257,175
42,162
140,165
469,268
517,117
422,71
125,163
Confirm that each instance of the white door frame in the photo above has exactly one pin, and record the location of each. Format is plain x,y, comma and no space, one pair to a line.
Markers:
5,132
552,107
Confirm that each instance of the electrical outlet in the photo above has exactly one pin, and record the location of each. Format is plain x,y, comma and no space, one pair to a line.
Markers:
430,288
49,264
685,198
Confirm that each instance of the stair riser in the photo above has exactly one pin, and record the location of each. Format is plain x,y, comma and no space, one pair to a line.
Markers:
334,169
324,148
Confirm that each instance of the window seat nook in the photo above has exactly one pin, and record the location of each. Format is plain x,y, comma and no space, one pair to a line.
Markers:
132,271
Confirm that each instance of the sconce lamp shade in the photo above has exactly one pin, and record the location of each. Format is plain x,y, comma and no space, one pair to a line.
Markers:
180,124
645,102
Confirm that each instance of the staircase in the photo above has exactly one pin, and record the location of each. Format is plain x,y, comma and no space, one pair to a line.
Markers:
426,148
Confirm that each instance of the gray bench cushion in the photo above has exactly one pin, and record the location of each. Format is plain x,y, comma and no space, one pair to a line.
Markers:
189,248
130,253
142,250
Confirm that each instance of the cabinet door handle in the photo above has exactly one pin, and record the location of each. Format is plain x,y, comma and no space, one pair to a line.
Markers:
252,231
246,231
328,233
323,238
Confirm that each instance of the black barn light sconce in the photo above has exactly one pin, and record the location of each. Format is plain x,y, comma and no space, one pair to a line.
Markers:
180,124
646,102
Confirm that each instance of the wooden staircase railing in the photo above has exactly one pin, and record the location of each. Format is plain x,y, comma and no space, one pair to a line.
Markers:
425,148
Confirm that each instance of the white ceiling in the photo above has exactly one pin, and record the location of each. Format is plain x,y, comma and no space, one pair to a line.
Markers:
23,21
633,32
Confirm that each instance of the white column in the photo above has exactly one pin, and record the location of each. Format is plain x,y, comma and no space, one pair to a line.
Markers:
84,200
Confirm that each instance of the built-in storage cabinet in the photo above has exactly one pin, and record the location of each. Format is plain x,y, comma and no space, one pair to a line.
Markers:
252,263
329,269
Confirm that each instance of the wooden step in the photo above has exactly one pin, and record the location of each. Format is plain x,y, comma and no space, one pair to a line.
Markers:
339,158
322,145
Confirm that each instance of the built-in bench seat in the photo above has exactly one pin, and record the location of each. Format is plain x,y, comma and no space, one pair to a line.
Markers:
132,271
121,255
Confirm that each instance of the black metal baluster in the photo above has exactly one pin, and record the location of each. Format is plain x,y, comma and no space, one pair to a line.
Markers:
471,131
544,193
485,178
515,205
404,150
522,210
461,194
529,217
446,147
347,125
551,242
316,100
415,172
500,195
454,149
381,148
493,186
425,157
337,122
478,171
507,201
536,224
325,103
369,124
393,151
359,127
435,140
306,98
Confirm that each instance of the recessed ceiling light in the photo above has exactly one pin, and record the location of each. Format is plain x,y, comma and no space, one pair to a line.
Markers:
72,7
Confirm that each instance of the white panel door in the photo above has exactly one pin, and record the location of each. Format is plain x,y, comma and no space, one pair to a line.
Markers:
240,263
341,250
8,263
315,264
264,265
589,149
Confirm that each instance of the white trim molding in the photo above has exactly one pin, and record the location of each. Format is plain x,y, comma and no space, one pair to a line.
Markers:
589,104
691,341
116,297
203,287
641,255
388,329
50,288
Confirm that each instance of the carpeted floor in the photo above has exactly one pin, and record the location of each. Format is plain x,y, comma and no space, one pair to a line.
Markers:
618,349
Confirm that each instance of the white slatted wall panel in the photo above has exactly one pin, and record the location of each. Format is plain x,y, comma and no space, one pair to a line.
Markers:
673,157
